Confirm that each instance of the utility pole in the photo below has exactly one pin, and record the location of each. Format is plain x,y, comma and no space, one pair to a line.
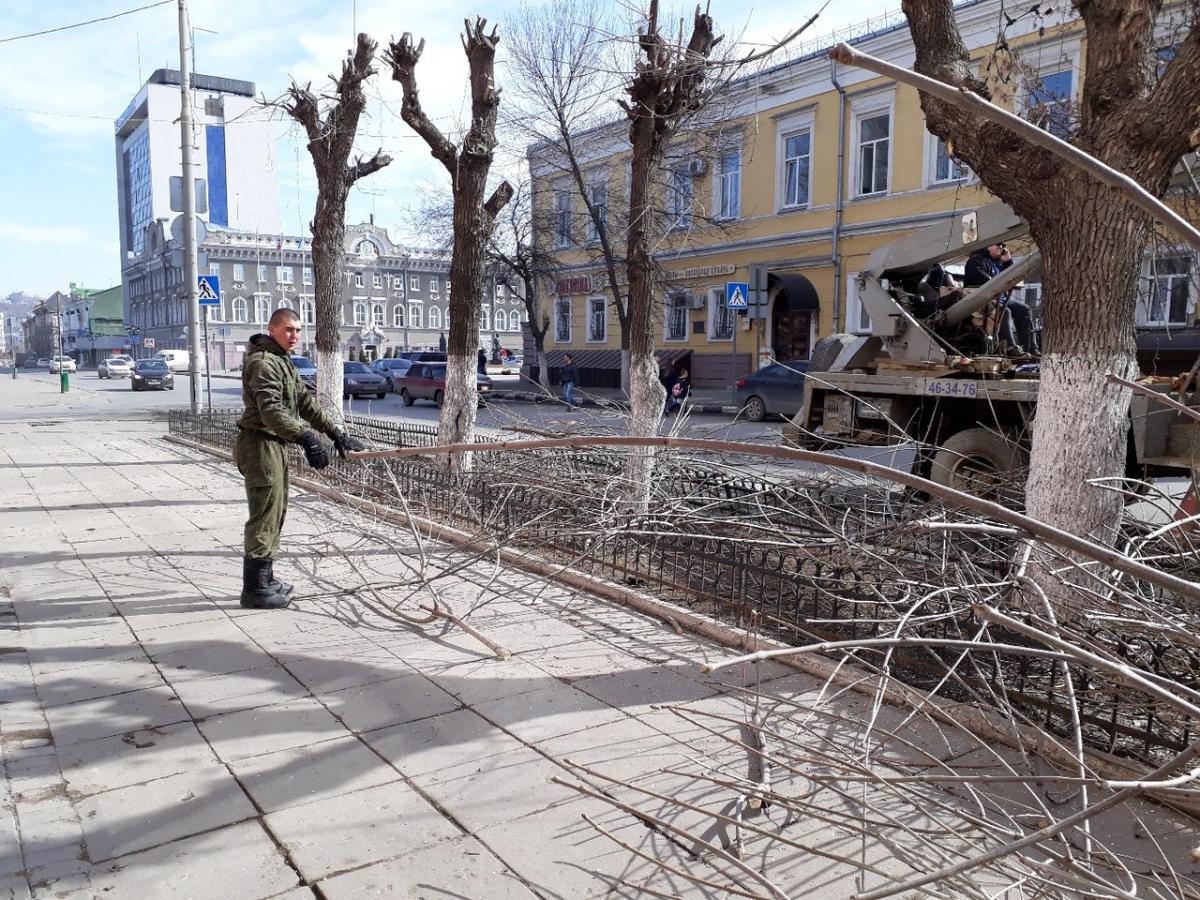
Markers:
189,210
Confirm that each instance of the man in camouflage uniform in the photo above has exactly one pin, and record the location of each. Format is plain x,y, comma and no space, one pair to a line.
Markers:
279,411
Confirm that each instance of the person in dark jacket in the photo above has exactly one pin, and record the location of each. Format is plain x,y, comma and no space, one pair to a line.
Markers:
279,411
984,265
570,377
679,391
481,362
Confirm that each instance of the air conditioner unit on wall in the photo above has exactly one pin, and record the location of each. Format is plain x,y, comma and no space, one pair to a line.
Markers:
698,167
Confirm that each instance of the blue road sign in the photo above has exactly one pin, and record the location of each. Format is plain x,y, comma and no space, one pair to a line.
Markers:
736,294
135,338
209,289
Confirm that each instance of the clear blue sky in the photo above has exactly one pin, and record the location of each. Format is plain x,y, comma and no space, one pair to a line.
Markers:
60,93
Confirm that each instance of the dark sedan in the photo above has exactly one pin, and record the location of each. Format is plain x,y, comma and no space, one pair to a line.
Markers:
777,389
358,381
427,381
151,375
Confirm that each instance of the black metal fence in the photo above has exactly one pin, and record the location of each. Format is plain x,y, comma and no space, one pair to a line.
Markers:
845,570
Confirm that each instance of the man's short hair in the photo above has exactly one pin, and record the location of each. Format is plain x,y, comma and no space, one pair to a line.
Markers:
280,315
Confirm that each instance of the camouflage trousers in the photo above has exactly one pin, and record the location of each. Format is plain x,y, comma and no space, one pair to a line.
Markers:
262,461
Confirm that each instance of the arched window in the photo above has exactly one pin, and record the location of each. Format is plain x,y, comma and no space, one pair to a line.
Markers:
398,315
514,320
501,320
284,304
366,248
239,309
308,312
360,313
262,308
435,317
378,315
486,319
414,316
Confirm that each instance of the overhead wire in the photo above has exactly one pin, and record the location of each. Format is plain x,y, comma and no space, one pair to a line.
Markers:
128,12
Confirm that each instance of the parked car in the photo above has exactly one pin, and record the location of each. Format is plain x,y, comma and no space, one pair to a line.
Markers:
115,367
427,381
777,389
358,380
392,370
424,355
61,364
43,362
177,360
308,371
151,375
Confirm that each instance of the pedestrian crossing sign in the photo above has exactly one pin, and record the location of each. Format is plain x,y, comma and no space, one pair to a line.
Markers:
208,287
736,293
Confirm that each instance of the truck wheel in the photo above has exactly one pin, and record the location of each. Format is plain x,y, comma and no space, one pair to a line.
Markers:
438,396
826,350
754,409
978,462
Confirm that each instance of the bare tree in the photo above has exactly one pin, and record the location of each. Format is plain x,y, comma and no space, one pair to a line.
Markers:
1092,238
666,89
567,80
511,252
331,134
473,218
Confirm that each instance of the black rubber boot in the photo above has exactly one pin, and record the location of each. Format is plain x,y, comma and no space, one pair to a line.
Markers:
257,592
281,587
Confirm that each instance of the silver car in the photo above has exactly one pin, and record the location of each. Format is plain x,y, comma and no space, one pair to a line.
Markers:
62,364
115,367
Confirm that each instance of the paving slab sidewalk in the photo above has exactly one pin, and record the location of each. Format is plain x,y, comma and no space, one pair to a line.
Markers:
158,740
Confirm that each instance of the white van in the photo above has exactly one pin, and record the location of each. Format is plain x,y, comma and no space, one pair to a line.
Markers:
177,360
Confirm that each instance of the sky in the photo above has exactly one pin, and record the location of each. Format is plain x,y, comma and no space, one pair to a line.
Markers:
61,92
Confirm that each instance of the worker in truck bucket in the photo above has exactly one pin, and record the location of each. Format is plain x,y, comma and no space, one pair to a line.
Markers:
1016,323
279,411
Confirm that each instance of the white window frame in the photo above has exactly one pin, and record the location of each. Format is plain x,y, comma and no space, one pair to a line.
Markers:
240,310
415,317
366,248
435,317
377,281
1068,58
398,319
597,181
217,313
379,314
414,282
307,275
284,275
720,213
861,109
515,321
434,287
593,303
239,273
858,321
562,304
485,317
262,308
502,320
669,306
308,311
931,180
398,284
560,204
680,169
1150,278
283,304
262,273
716,311
788,127
361,313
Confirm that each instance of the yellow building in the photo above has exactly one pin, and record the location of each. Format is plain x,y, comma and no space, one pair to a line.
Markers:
811,166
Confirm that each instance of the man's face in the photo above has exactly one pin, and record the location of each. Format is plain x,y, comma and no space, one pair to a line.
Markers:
285,333
995,250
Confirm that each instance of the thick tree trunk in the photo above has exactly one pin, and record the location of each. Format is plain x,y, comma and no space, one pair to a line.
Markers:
329,268
1091,258
646,395
543,365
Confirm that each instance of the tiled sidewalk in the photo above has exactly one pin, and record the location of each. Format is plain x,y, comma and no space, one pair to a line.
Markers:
159,741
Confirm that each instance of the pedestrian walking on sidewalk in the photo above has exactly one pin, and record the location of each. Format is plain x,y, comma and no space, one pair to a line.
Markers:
279,411
570,376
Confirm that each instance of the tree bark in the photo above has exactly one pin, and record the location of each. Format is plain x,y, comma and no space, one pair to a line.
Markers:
474,219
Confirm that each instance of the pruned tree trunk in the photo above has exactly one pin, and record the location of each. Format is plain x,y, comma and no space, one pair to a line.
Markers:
1091,237
666,89
330,142
543,366
474,219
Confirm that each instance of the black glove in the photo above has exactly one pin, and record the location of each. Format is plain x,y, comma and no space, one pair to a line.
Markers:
342,442
314,450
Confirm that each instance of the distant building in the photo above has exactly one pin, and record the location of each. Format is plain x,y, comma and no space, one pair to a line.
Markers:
93,327
234,160
394,297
